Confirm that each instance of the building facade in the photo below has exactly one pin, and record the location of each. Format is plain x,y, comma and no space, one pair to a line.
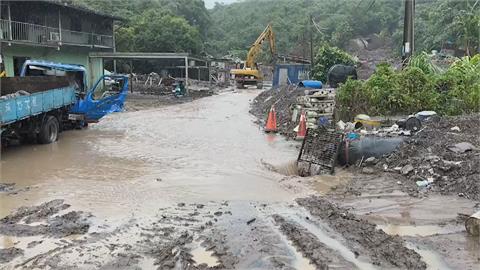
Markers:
53,31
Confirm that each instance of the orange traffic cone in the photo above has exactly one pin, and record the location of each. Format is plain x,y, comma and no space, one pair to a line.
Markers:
271,125
302,127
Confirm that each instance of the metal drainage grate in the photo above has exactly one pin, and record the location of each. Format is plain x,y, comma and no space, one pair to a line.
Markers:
319,150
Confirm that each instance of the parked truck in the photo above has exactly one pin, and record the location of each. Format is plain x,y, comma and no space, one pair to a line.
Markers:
50,97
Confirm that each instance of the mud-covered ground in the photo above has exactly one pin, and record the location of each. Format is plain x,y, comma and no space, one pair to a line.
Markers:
178,200
137,101
217,235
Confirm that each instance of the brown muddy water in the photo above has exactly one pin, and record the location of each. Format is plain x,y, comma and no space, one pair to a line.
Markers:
138,161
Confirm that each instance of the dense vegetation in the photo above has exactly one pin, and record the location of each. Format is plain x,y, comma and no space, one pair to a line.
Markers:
157,25
439,23
187,26
415,88
328,56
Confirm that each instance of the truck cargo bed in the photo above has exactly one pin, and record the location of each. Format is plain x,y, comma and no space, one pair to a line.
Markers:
21,107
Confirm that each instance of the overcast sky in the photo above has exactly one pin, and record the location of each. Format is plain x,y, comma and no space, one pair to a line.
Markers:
211,3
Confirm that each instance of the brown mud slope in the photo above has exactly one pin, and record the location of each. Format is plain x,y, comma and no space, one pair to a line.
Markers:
384,250
429,155
283,99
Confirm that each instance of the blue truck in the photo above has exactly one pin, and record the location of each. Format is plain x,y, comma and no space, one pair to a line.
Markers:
50,97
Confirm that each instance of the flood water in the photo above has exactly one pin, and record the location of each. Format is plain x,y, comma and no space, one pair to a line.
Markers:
133,162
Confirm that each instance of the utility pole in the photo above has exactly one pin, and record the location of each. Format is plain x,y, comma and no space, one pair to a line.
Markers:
311,43
408,30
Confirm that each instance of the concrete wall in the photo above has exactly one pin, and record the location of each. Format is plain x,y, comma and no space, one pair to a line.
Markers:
66,55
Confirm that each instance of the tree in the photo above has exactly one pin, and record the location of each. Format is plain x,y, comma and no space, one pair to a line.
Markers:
193,11
448,21
327,57
162,31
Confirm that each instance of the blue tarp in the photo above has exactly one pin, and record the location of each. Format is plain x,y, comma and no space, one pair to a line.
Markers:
311,84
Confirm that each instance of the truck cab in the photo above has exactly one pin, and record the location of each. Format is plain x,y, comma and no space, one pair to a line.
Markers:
106,96
50,97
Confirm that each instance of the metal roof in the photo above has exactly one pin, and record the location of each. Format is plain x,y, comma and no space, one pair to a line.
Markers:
54,65
142,55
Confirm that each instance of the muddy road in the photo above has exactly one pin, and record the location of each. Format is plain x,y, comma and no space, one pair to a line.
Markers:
199,185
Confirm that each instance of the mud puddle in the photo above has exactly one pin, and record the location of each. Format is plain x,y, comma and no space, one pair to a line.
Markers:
330,239
202,256
430,225
432,259
423,230
299,261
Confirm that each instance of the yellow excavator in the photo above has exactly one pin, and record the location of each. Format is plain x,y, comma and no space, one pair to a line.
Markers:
250,74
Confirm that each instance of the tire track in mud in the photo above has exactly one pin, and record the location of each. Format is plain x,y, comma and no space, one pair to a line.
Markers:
233,235
309,245
363,237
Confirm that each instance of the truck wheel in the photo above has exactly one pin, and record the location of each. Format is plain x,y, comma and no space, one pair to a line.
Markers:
49,131
259,85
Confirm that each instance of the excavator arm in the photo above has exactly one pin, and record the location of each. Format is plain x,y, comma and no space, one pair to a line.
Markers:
257,46
250,75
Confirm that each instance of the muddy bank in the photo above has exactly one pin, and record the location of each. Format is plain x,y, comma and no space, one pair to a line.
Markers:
166,240
363,236
443,157
228,235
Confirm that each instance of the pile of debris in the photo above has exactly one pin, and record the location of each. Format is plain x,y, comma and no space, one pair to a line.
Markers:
154,84
283,99
443,156
318,105
290,101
